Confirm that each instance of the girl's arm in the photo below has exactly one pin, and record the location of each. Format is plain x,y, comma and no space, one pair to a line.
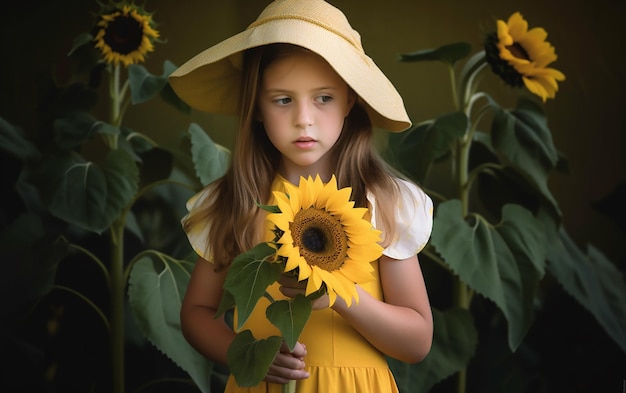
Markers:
402,325
211,336
208,335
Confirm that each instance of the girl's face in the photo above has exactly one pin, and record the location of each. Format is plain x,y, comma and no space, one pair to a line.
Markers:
303,103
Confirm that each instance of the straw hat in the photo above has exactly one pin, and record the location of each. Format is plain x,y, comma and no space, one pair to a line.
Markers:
210,81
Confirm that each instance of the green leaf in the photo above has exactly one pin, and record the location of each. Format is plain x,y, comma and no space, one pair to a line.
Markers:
523,137
504,262
269,208
250,359
105,128
73,129
93,196
143,85
248,277
168,95
454,343
594,281
157,286
79,41
13,141
449,54
414,151
290,317
210,159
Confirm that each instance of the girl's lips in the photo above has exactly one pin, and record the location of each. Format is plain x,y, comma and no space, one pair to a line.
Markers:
305,143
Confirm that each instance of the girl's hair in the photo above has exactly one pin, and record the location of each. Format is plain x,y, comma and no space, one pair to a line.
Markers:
236,221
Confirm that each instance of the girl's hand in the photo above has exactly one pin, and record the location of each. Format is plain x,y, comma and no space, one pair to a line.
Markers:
290,287
287,365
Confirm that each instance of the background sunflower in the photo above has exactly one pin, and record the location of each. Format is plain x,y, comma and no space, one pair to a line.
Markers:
125,33
521,56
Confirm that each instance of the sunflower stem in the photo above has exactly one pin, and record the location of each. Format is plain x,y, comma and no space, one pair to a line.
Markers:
118,285
461,156
455,94
116,103
289,387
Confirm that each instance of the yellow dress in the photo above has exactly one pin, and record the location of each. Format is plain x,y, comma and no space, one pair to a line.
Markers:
338,358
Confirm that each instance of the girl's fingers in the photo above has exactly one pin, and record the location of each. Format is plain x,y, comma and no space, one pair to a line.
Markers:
286,367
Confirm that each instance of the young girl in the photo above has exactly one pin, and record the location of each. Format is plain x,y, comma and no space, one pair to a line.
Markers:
308,98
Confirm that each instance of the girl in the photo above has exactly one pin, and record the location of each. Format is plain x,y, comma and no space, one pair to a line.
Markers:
308,98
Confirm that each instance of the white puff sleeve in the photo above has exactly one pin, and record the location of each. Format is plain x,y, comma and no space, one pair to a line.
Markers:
414,221
198,234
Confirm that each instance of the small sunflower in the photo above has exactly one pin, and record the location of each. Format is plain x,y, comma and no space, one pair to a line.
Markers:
125,34
325,237
521,57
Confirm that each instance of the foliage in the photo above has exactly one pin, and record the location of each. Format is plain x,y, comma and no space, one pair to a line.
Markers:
500,231
79,178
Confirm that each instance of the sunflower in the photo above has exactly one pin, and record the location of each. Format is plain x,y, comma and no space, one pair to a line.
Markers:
521,56
125,34
325,238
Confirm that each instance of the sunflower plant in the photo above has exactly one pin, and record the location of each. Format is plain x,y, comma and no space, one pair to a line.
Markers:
500,231
93,177
319,238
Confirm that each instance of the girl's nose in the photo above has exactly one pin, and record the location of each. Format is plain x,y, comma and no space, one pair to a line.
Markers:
304,115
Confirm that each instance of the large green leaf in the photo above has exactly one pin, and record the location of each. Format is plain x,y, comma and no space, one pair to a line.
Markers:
210,159
594,281
415,150
157,286
143,85
290,317
13,141
454,343
248,277
523,137
249,359
92,196
71,130
448,54
503,262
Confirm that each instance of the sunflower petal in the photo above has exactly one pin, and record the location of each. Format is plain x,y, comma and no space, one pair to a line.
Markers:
517,26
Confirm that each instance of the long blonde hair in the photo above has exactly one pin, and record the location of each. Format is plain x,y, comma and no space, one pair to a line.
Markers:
236,221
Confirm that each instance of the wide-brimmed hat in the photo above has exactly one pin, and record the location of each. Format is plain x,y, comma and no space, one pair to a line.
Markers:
210,81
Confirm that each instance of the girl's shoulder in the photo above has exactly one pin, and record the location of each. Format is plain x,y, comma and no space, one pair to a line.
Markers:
413,218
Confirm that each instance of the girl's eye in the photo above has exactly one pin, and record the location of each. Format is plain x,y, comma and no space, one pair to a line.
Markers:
324,99
283,101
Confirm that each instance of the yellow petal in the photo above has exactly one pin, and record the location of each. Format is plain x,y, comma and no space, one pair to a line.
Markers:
536,88
517,26
503,34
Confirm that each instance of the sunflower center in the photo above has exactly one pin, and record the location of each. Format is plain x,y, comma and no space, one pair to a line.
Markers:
314,239
320,238
518,51
124,34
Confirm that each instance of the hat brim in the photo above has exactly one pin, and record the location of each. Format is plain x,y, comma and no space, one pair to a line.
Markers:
210,81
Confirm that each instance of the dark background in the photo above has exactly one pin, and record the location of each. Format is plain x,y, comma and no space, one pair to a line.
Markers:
587,119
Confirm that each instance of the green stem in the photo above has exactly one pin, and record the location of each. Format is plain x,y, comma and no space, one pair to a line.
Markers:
455,94
115,94
118,286
289,387
462,147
